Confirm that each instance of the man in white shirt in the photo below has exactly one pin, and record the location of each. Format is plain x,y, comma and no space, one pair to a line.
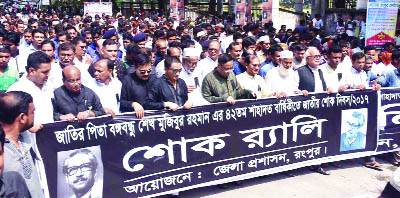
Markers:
192,77
332,70
356,77
282,81
105,86
208,64
317,22
250,79
298,51
35,83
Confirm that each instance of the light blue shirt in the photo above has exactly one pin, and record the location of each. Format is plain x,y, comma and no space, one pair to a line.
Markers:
265,68
391,79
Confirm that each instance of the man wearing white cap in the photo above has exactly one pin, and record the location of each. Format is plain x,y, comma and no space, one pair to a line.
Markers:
282,80
192,76
265,44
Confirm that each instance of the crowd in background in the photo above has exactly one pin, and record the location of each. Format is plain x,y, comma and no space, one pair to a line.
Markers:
73,67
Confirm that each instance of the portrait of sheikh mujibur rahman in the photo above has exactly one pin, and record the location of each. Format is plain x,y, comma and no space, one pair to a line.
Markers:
80,169
353,138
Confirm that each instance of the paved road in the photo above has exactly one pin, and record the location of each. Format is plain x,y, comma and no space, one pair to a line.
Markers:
351,181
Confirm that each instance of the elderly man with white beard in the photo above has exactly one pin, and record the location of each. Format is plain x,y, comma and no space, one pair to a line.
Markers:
282,80
192,76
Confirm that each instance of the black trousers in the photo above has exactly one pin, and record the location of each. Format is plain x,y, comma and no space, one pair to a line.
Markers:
390,192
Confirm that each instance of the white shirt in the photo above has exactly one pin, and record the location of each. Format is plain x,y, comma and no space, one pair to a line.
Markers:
86,78
255,84
381,69
317,24
160,69
43,114
41,99
18,64
109,94
331,76
226,42
317,79
206,65
190,79
354,78
275,82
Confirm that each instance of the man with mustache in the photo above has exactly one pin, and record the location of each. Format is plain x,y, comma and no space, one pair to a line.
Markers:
74,100
105,86
281,81
16,117
250,79
80,169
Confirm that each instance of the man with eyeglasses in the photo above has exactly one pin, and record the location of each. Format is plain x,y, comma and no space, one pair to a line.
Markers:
169,91
66,55
80,170
250,79
191,75
311,78
136,85
208,64
74,100
221,85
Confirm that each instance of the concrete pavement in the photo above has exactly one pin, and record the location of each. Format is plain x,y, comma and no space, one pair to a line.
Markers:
352,181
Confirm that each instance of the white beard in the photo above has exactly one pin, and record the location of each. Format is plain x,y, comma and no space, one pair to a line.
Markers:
283,71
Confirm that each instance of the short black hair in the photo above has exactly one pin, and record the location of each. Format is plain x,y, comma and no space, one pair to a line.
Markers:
12,104
13,37
38,30
65,47
224,58
48,41
334,49
248,41
356,56
141,59
299,47
37,58
109,42
369,48
77,40
274,48
169,60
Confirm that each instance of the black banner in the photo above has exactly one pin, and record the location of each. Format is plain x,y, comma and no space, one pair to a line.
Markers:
171,151
389,114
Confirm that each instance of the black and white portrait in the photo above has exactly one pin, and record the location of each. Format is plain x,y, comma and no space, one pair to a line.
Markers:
353,129
80,173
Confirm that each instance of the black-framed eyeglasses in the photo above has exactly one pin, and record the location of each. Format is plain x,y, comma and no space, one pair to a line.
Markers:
176,70
83,168
145,71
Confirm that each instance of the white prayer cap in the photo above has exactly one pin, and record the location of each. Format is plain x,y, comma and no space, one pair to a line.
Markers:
286,54
190,52
264,39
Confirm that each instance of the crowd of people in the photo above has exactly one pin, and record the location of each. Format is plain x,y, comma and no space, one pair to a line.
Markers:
70,68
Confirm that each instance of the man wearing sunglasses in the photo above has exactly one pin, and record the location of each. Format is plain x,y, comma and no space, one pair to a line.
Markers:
136,84
169,91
